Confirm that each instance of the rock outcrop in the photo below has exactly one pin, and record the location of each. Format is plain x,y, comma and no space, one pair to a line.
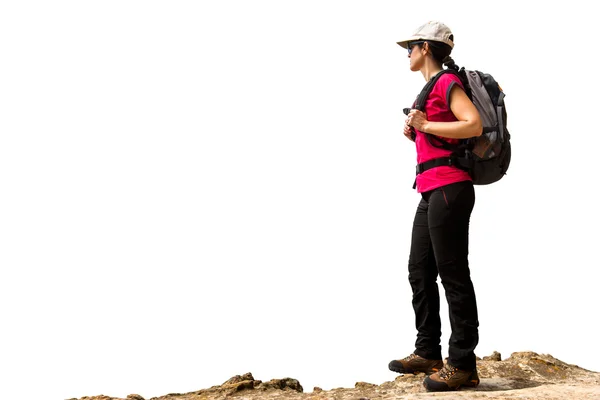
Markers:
524,375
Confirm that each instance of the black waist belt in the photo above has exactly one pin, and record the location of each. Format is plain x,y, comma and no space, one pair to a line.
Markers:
459,162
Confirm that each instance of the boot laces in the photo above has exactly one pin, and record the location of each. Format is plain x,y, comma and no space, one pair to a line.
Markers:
411,357
448,371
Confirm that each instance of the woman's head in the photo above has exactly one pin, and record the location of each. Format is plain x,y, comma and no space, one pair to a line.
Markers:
432,31
433,39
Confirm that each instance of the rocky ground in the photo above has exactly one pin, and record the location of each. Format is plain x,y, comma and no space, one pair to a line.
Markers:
524,375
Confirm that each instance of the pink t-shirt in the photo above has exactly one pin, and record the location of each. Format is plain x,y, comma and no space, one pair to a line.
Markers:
437,108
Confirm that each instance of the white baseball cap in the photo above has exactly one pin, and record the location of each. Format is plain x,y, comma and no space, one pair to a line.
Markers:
432,30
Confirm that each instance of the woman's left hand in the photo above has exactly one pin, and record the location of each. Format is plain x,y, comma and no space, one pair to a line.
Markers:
417,119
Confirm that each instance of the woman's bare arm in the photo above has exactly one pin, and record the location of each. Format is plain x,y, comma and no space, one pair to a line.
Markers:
468,124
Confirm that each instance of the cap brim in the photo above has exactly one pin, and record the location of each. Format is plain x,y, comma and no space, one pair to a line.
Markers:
404,43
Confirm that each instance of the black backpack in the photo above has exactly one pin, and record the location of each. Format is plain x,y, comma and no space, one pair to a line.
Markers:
485,157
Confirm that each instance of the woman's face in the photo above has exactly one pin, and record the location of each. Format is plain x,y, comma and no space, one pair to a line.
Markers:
416,56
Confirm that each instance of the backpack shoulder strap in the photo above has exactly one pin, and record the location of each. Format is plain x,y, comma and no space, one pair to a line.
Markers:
420,105
426,91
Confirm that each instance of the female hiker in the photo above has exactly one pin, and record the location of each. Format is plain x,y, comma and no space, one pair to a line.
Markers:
440,233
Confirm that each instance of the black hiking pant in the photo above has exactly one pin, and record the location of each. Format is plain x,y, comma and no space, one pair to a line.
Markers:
440,246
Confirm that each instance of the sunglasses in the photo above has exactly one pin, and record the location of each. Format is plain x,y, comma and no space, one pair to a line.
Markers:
410,46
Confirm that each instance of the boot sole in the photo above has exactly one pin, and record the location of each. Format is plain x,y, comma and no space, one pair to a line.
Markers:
415,372
468,384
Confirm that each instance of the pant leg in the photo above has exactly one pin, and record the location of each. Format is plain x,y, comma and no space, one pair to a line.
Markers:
422,275
449,213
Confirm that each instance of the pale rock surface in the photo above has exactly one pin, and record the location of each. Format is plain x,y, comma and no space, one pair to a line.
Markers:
523,376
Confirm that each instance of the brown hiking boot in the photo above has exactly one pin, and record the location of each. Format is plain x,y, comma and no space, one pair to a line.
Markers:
451,378
414,363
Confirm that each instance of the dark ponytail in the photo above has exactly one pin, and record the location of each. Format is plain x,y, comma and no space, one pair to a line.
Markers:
449,62
441,53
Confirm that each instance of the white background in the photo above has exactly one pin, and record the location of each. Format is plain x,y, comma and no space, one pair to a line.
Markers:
191,190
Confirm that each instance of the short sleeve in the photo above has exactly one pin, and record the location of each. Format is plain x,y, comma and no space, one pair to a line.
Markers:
444,86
